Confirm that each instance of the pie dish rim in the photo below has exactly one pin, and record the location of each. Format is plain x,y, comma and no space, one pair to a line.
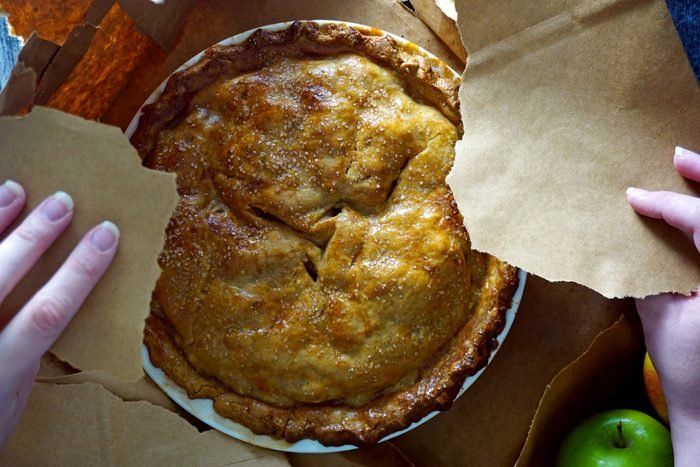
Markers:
203,408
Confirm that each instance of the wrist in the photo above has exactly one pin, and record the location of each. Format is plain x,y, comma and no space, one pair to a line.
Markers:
685,434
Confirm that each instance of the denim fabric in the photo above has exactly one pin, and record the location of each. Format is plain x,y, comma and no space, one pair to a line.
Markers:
686,17
9,49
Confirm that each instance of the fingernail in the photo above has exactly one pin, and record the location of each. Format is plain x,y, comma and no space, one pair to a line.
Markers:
631,191
9,192
681,153
57,206
105,236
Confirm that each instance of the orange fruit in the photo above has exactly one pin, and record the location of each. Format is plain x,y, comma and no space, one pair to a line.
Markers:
653,387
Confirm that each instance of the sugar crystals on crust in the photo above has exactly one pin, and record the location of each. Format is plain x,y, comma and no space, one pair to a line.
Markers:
317,280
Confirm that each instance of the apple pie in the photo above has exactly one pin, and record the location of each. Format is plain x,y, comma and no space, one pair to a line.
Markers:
317,279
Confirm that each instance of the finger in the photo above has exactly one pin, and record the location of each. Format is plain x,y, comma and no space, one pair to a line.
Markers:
12,200
681,211
687,163
37,326
23,247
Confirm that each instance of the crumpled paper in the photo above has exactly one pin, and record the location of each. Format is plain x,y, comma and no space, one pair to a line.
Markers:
47,151
565,105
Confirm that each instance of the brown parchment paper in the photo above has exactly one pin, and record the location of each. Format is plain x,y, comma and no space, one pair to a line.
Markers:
565,105
382,455
149,15
556,322
18,94
37,53
64,61
122,433
47,151
53,370
441,17
575,391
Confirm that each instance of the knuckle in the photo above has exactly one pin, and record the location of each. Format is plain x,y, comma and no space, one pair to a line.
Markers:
85,267
665,198
678,204
50,316
30,234
669,202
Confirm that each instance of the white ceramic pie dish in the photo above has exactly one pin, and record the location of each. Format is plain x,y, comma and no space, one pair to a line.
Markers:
203,409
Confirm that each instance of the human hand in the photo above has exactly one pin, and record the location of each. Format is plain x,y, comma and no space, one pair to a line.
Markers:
671,322
39,323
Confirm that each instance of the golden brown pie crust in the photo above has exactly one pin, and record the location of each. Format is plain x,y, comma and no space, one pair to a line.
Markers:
317,278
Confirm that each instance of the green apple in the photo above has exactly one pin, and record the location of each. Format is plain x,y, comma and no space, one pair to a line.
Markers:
624,438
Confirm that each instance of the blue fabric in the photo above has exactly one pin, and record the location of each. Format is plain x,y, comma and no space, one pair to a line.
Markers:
9,49
686,17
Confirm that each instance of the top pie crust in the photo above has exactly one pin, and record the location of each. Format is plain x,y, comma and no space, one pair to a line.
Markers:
317,280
